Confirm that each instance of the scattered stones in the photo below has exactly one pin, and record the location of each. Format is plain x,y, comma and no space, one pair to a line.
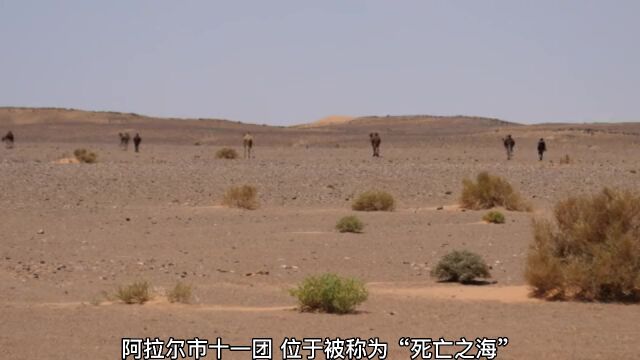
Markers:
261,272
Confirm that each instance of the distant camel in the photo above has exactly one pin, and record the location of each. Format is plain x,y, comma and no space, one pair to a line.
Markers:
247,142
375,143
124,140
8,140
509,144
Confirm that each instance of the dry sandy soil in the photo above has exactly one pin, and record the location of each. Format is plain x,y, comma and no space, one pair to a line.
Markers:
70,232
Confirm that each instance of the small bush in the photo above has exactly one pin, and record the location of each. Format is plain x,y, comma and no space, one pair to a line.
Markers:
243,197
374,201
136,293
330,293
180,293
489,191
350,224
591,252
565,160
85,156
461,266
494,217
226,153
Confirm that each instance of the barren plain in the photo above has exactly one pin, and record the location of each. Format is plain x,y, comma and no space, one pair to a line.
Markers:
70,232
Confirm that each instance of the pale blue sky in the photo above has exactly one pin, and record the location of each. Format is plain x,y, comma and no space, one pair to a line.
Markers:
293,61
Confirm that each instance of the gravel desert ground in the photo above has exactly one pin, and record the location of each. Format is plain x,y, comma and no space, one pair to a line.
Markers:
71,232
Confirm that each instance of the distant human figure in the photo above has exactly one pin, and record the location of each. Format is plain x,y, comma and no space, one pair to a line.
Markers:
542,147
375,143
509,144
136,141
124,140
247,142
8,140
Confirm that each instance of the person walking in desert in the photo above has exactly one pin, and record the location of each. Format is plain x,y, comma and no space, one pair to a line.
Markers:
542,147
136,142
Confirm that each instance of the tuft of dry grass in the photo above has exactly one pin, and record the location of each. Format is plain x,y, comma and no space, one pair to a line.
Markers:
226,153
565,160
494,217
374,200
244,197
350,224
136,293
85,156
591,252
181,293
489,191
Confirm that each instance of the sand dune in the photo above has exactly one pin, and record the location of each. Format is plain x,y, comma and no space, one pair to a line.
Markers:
328,121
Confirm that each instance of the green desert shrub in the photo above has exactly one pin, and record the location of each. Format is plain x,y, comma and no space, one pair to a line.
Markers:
85,156
136,293
350,224
374,200
244,197
590,252
489,191
180,293
226,153
330,293
494,217
461,266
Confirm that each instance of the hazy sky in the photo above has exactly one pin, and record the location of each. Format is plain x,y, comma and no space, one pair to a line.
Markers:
284,62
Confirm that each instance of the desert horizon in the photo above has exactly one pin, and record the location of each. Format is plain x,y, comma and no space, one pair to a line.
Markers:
327,120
